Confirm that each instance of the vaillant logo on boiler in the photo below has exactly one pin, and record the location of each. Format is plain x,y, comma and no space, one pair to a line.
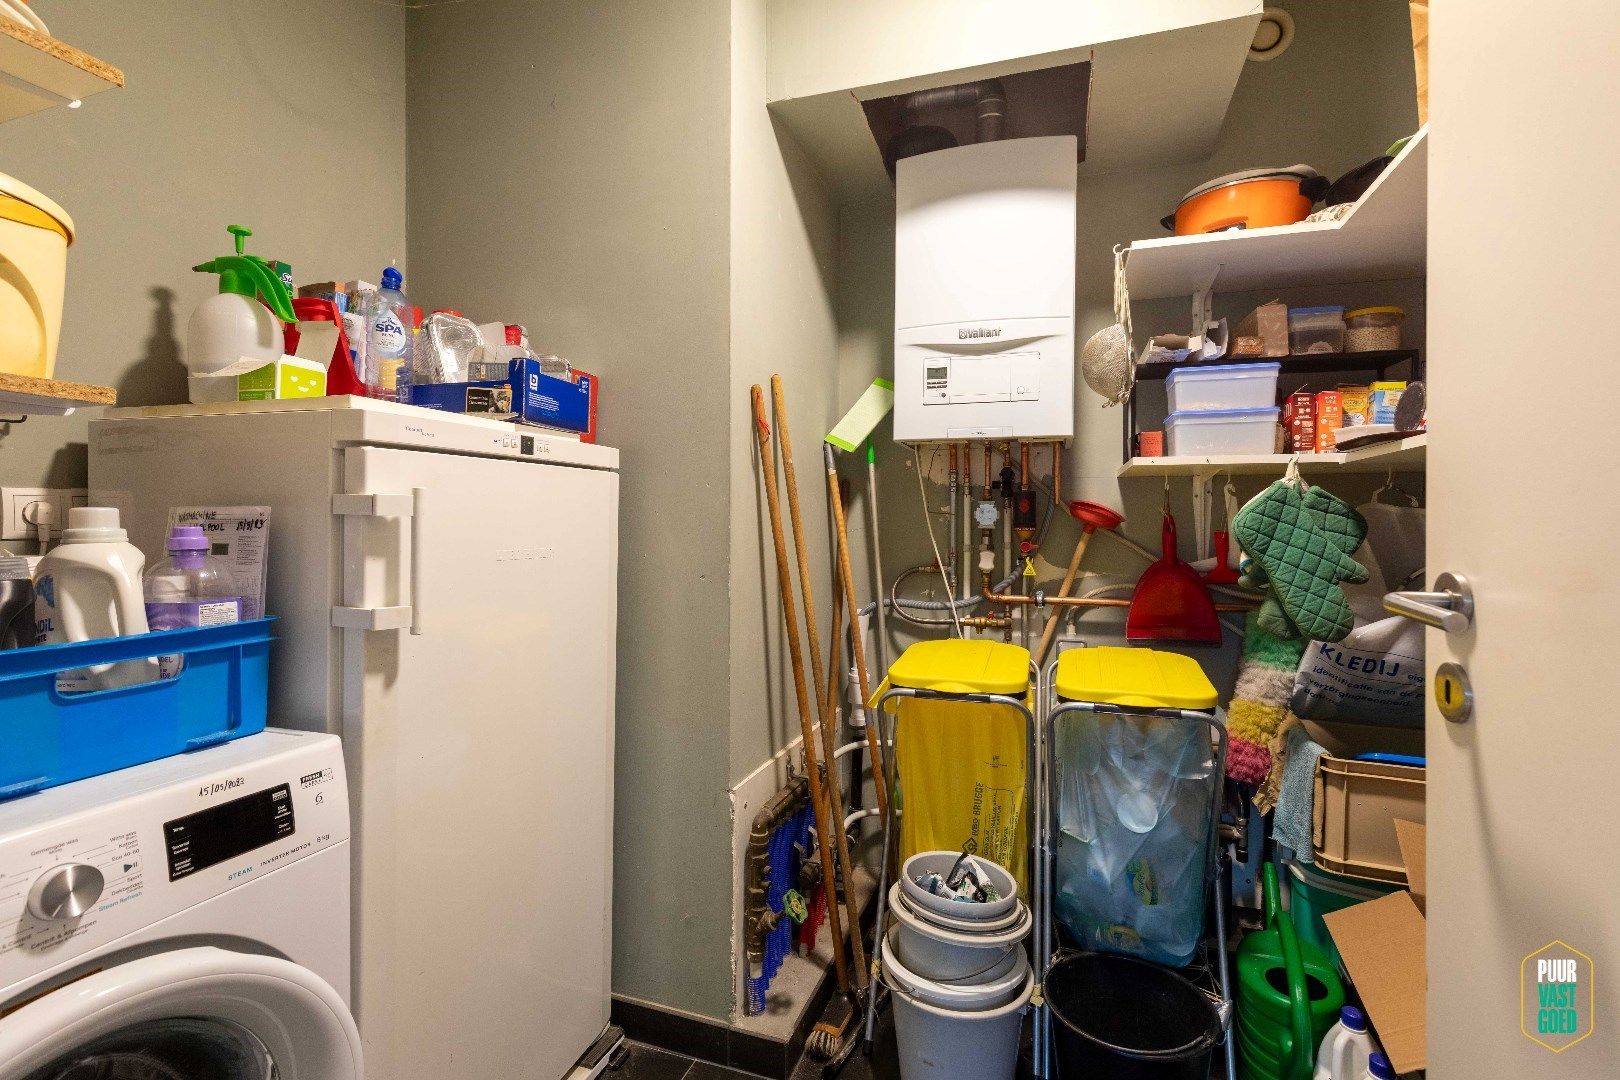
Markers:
978,332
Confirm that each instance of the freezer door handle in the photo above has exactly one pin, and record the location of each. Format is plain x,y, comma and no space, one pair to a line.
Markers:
390,506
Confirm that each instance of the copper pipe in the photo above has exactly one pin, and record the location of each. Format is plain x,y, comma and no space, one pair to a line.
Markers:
1023,463
953,457
988,466
1091,601
1057,476
988,622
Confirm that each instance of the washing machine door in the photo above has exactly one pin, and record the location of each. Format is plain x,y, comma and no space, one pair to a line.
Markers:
191,1014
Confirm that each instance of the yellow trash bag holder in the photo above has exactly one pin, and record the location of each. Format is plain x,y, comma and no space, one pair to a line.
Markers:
957,689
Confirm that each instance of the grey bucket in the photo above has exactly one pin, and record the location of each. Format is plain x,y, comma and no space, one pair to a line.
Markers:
945,1044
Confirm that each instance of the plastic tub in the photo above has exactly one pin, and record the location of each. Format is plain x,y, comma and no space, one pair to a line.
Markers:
1222,386
52,738
1315,329
962,997
1127,1019
945,954
34,238
1313,893
940,862
1222,431
1373,329
946,1044
1357,803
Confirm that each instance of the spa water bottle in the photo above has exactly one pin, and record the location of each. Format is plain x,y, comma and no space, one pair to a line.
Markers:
389,323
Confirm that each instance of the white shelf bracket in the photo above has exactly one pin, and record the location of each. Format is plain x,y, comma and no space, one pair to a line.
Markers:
1203,304
1203,501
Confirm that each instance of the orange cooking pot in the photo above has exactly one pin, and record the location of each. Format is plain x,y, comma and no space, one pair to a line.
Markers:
1248,200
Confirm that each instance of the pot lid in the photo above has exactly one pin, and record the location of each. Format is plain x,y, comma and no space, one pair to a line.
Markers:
1301,172
22,193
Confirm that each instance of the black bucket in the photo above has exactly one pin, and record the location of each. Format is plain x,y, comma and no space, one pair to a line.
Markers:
1120,1018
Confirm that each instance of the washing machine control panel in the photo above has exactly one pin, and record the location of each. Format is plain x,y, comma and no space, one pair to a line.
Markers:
87,863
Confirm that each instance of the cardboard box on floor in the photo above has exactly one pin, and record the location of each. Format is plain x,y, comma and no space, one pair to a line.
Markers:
1384,945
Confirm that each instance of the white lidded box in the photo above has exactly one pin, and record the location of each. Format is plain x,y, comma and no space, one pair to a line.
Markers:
1222,386
1221,431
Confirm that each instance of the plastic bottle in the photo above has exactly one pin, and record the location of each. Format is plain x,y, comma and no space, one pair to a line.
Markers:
89,587
1378,1068
16,601
189,588
247,317
1346,1048
388,338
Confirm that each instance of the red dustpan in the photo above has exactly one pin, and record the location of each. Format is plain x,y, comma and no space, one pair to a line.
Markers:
1172,603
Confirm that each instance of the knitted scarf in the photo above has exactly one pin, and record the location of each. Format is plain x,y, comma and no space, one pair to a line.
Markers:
1259,700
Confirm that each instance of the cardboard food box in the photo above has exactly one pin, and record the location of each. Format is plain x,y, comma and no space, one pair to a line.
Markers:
1329,419
1299,423
1355,402
1266,325
1383,944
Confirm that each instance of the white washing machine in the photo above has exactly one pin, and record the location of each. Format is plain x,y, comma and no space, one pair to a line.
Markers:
187,919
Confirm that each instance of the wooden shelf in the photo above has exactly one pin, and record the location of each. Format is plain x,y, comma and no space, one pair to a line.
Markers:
25,396
1398,455
1383,239
1298,364
38,72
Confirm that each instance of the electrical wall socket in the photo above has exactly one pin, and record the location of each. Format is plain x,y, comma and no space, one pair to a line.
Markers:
22,509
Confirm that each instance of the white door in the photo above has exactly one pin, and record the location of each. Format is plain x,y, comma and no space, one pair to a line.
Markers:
192,1014
480,760
1524,246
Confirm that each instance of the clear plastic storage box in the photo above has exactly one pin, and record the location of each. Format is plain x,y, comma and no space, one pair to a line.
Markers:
1222,386
1222,431
1316,329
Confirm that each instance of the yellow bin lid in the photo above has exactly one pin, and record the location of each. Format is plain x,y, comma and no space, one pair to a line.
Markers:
1145,678
957,666
21,203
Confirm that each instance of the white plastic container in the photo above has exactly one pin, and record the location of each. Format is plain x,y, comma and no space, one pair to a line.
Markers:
88,587
1346,1048
1222,386
1316,329
940,862
34,238
950,954
1222,431
938,1043
964,997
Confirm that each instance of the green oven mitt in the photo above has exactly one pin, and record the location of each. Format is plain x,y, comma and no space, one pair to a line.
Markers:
1344,526
1303,561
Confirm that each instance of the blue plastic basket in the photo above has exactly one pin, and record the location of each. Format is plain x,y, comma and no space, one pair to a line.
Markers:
48,738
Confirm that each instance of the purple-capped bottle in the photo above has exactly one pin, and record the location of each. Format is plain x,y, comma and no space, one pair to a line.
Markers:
189,588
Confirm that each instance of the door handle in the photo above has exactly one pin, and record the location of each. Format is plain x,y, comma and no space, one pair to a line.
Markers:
1449,607
405,616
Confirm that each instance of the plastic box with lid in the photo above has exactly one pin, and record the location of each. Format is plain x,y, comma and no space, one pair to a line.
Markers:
1316,329
1222,386
1222,431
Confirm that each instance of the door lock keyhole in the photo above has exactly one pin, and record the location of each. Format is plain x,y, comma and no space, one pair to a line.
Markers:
1453,693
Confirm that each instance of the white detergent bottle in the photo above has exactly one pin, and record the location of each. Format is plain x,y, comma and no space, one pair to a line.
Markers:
89,587
1346,1047
1378,1068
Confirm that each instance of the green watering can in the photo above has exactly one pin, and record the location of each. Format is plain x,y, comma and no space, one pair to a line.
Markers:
1289,995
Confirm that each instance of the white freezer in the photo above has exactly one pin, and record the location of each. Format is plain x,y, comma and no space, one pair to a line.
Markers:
447,590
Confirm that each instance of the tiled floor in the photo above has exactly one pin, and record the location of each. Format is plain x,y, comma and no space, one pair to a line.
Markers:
650,1063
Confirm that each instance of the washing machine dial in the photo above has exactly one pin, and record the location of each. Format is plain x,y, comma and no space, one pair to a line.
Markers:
65,892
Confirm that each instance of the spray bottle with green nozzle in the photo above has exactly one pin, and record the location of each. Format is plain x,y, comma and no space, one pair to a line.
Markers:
246,319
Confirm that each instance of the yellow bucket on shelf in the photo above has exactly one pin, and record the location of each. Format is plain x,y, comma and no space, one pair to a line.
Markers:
963,768
34,238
